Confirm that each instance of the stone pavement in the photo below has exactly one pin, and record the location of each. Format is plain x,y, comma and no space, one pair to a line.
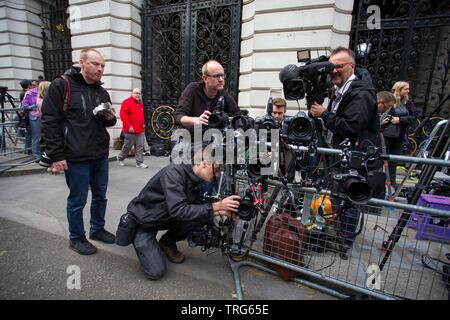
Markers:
34,254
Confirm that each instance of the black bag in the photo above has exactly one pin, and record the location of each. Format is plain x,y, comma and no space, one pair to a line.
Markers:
126,230
392,131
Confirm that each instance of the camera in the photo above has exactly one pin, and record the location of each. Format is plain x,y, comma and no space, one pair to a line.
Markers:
297,129
207,236
352,186
313,80
246,210
218,119
105,106
242,121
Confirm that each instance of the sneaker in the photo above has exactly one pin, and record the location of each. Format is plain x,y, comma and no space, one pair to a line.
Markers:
121,163
172,253
102,235
146,153
82,246
142,166
45,160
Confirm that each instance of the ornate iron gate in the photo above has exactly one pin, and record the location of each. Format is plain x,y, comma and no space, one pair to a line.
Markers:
413,44
56,48
178,37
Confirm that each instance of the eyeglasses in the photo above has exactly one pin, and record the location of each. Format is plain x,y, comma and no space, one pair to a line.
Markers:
340,66
137,93
216,76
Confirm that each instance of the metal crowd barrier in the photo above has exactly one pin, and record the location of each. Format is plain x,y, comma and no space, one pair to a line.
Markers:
414,270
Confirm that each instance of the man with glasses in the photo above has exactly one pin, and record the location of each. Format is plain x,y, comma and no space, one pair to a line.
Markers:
352,114
172,200
199,98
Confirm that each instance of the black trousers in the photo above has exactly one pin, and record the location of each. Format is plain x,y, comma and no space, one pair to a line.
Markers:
393,146
149,253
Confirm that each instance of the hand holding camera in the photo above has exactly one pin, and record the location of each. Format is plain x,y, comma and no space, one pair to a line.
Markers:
105,110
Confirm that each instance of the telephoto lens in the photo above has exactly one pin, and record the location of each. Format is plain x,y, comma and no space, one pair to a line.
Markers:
126,230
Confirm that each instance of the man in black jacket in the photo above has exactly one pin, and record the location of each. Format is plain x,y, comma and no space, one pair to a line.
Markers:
77,142
199,98
171,201
353,112
353,115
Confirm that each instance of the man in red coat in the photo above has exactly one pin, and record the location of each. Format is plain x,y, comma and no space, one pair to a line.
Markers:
132,116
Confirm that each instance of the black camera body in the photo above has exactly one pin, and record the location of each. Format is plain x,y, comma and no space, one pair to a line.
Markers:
207,236
266,122
298,129
247,209
242,121
218,119
352,186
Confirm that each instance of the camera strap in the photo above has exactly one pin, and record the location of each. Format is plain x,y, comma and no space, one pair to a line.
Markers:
66,95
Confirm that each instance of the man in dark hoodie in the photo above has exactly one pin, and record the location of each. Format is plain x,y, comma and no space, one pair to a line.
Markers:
77,142
352,114
171,201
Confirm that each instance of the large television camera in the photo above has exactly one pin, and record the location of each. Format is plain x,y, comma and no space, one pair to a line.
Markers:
311,80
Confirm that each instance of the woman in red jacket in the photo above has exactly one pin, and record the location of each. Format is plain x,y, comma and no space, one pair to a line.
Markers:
132,116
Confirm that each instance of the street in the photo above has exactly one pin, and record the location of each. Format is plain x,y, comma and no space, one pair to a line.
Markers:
34,253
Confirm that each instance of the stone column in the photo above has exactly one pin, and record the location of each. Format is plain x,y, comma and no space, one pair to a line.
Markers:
21,42
114,28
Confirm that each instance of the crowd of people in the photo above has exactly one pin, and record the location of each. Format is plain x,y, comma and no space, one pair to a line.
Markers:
75,136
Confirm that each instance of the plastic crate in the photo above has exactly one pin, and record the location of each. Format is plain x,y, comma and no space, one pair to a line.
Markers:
425,224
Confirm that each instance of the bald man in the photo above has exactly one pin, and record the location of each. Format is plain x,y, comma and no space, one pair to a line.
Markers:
199,98
132,116
77,142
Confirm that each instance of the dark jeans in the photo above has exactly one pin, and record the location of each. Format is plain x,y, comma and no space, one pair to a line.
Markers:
79,176
151,258
393,146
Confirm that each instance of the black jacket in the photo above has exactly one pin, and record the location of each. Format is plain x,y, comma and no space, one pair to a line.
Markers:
172,194
357,115
75,134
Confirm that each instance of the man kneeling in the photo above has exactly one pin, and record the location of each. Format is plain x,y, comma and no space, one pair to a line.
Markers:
171,201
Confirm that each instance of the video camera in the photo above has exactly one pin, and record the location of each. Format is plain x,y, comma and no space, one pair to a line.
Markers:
311,80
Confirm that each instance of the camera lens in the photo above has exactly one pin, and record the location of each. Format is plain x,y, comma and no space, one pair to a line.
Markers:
240,122
301,128
357,191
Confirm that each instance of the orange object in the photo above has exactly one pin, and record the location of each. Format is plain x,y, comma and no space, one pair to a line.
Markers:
323,203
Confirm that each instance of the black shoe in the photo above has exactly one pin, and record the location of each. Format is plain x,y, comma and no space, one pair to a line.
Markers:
172,253
102,235
82,246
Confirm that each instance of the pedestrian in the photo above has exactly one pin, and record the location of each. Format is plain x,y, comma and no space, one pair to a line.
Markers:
75,115
34,117
132,116
395,128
